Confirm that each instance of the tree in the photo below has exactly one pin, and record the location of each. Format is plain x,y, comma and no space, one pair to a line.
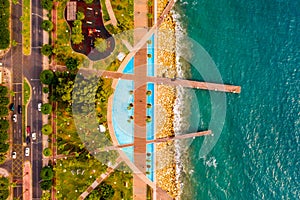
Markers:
72,63
101,44
3,136
47,152
3,91
3,111
47,25
46,195
4,100
80,15
46,184
106,191
47,173
4,124
45,90
2,158
4,185
88,1
47,77
47,129
46,108
47,4
4,147
46,50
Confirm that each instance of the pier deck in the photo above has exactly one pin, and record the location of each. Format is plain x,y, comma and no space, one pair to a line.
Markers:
169,81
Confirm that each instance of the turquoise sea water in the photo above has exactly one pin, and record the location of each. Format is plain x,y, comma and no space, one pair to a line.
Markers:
254,44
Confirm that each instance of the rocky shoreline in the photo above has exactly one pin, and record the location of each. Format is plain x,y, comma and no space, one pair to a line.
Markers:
165,100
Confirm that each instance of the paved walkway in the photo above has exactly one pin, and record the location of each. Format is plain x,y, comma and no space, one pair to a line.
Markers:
4,172
111,13
27,181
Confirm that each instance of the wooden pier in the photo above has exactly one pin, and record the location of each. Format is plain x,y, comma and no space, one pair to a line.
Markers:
167,81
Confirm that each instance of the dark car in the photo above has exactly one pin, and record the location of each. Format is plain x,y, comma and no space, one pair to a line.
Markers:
19,109
12,107
27,140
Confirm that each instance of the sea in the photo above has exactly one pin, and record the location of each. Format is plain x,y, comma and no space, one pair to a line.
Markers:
254,150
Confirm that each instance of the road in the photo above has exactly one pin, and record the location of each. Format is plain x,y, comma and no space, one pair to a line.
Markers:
32,71
30,67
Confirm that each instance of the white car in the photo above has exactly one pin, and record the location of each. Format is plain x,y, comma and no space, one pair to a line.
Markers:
14,155
14,118
33,135
27,151
39,107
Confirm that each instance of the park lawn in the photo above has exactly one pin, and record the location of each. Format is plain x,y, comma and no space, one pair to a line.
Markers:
118,181
105,14
26,26
73,176
26,92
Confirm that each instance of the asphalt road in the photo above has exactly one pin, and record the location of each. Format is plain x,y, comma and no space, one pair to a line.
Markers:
34,117
30,67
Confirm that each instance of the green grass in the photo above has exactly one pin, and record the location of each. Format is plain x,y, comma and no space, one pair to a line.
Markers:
26,92
118,181
26,27
71,185
105,14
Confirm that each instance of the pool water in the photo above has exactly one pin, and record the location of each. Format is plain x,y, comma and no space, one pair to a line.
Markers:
123,125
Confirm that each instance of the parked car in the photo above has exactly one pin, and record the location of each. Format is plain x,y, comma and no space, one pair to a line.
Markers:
27,151
12,106
14,155
19,109
33,135
14,117
28,130
40,107
27,140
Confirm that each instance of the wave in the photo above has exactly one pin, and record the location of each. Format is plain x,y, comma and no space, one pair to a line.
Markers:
182,106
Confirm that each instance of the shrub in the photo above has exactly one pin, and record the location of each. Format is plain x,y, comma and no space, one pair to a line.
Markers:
47,4
3,147
47,77
3,111
101,44
46,50
46,108
4,101
46,184
88,1
80,15
45,90
47,152
47,25
47,173
47,129
4,124
72,63
3,90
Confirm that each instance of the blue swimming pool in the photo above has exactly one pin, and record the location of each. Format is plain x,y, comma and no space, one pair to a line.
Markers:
123,125
129,69
150,59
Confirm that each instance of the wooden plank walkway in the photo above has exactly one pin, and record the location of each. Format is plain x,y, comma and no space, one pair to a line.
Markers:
169,81
165,139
